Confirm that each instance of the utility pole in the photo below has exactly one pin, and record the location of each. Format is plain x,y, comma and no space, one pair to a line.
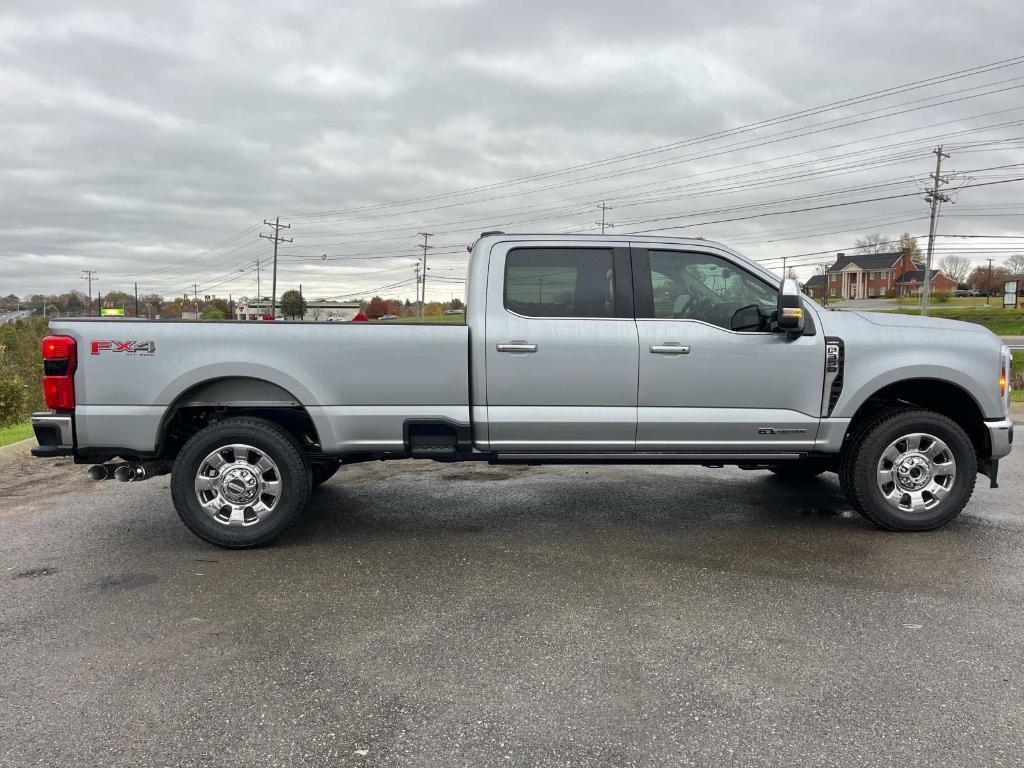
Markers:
602,207
426,236
275,238
195,300
136,300
418,306
784,275
936,199
302,317
90,275
988,292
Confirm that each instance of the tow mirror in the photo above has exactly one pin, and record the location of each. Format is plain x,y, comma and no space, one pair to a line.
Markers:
790,309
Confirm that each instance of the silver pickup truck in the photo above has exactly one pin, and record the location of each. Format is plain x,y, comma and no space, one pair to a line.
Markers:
575,349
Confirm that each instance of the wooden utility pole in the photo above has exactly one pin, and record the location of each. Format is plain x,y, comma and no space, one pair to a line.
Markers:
426,236
90,275
275,239
136,300
936,198
602,207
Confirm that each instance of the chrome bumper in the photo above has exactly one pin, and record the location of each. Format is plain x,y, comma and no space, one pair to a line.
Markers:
54,433
1000,435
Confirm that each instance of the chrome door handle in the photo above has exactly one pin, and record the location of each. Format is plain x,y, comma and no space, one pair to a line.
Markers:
517,346
669,349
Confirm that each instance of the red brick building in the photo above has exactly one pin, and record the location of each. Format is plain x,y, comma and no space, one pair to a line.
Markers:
864,276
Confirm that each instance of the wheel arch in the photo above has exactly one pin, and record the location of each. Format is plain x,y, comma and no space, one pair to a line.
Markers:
221,397
938,395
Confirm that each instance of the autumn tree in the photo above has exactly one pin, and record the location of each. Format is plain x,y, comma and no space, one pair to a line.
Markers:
910,244
985,279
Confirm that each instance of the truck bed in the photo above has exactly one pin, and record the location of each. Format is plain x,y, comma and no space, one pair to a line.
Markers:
360,382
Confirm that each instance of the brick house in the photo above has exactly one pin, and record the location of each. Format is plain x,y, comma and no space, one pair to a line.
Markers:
864,276
911,283
815,286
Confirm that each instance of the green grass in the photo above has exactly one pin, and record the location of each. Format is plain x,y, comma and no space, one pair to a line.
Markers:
15,433
452,319
1003,322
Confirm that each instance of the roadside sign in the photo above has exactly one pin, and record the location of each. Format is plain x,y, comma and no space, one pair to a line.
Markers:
1010,293
112,312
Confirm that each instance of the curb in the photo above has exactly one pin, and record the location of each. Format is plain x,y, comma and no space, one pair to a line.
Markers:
16,450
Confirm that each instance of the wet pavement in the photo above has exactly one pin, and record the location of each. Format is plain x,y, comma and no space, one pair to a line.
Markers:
460,615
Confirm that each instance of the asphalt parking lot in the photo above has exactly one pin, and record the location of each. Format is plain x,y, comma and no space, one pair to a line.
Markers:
454,615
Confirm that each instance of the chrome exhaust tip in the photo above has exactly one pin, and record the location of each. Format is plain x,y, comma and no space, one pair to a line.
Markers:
126,473
101,471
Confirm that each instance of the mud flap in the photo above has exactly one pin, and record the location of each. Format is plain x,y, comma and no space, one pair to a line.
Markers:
990,468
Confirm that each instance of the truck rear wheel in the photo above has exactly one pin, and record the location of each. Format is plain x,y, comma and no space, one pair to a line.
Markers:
910,470
240,483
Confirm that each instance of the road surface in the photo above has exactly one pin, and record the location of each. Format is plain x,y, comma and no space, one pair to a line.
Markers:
462,615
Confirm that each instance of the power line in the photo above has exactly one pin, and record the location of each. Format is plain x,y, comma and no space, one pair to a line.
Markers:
426,236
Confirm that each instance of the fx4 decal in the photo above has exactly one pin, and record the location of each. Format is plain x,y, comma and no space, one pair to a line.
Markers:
127,347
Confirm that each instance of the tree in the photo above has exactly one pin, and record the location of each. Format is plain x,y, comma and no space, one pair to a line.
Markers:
984,279
910,243
118,299
956,267
74,305
1016,263
293,304
216,309
456,304
874,243
154,301
793,274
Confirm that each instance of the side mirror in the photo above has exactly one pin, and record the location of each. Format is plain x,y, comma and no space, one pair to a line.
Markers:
790,309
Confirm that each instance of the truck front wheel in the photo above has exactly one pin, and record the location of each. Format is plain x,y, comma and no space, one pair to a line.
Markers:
240,483
910,470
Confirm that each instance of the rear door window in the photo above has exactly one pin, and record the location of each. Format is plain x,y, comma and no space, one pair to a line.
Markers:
560,282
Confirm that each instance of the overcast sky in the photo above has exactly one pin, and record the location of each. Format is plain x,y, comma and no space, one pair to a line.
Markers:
148,145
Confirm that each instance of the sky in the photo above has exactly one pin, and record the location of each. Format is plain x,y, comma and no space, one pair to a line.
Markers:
148,142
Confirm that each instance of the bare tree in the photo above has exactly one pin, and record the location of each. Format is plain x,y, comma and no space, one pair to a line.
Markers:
874,243
1016,263
910,243
793,274
956,267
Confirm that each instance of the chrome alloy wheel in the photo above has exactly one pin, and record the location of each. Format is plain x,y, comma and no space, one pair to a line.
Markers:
238,485
916,472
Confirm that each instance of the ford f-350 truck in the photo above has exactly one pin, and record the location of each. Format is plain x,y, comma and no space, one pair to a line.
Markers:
574,349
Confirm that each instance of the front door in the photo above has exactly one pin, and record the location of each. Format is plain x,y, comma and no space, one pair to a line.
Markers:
710,379
561,349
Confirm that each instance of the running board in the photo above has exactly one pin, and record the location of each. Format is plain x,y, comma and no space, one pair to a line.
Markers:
642,458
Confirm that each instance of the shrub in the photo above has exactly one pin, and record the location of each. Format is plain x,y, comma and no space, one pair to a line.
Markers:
941,297
891,293
21,370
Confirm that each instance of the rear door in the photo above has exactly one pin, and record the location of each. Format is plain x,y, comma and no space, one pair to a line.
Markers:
561,350
707,380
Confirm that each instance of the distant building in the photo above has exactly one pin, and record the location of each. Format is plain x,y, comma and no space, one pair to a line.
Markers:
815,287
316,311
865,276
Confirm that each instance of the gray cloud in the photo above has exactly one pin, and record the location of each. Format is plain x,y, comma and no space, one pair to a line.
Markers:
137,140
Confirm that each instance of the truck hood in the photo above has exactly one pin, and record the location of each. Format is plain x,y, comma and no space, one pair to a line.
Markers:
886,320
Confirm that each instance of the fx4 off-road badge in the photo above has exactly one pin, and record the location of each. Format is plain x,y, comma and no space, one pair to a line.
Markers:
131,348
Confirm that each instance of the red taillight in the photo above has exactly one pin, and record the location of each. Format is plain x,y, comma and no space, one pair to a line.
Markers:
60,359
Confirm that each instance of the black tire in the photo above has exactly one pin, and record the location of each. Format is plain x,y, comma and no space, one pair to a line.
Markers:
861,461
799,470
324,471
296,481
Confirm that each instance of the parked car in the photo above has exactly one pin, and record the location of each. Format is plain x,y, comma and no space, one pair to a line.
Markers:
575,349
388,317
453,312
